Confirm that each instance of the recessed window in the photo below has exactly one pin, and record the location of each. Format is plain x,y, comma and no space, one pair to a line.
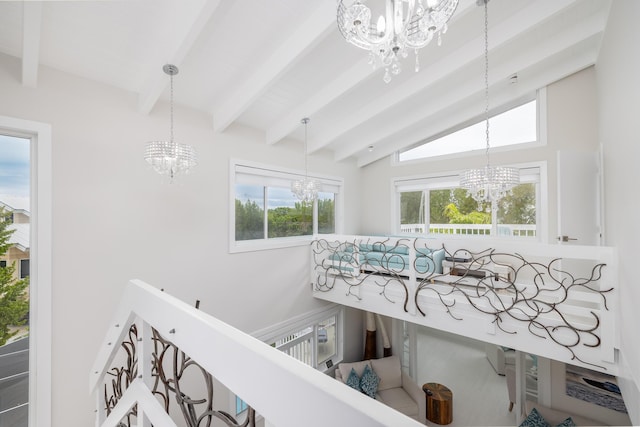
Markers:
266,214
512,127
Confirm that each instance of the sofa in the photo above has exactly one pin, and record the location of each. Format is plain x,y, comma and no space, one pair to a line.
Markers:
395,389
555,417
386,258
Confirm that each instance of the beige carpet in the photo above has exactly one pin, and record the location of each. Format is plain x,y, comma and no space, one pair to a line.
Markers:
479,394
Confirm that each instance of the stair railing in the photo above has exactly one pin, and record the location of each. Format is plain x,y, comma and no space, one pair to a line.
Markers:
156,338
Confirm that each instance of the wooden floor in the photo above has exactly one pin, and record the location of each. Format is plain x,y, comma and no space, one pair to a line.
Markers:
479,394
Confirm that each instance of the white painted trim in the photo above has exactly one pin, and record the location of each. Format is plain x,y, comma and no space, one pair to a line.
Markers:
41,266
31,34
284,242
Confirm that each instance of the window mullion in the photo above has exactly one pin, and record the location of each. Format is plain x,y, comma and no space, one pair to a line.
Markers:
266,212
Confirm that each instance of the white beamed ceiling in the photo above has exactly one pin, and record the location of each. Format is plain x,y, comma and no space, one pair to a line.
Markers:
268,63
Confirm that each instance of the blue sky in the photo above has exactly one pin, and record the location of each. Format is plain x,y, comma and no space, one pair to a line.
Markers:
14,166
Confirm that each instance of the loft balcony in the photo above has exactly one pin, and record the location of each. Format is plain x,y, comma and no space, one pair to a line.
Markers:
559,302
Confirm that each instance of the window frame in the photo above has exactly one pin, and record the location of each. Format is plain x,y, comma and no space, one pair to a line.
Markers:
450,179
269,172
540,96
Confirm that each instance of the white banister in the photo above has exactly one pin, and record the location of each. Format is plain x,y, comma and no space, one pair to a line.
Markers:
283,390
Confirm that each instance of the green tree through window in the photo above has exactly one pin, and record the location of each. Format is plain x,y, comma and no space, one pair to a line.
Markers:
14,303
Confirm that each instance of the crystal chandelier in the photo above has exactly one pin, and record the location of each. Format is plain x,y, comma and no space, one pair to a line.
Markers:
306,190
169,157
403,25
490,183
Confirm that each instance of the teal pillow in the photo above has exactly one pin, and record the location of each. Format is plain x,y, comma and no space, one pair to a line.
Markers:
534,419
369,382
567,423
353,380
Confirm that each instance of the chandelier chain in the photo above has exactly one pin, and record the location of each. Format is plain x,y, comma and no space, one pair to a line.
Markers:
488,184
305,121
486,75
171,105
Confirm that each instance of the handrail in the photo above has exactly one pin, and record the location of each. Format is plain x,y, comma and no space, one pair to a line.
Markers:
283,390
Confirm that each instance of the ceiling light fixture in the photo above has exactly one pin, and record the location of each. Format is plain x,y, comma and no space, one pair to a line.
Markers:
491,183
169,157
306,190
402,25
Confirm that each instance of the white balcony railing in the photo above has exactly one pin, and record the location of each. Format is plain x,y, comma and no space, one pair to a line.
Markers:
556,301
512,230
285,391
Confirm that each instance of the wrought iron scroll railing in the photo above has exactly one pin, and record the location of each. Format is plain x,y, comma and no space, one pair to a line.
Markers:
555,301
158,362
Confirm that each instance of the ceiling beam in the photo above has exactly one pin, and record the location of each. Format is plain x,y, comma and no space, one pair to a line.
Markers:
335,89
302,41
320,99
31,33
473,50
202,13
584,56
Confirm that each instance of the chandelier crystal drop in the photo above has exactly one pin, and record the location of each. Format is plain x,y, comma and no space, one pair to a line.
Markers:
490,183
169,157
400,26
306,189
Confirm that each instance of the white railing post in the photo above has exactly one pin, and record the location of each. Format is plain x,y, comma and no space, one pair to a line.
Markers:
145,365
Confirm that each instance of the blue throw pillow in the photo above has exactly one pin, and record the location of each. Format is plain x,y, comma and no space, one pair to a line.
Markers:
534,419
369,382
567,423
353,380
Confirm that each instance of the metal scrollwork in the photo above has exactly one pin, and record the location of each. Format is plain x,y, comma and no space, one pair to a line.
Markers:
123,376
501,285
346,262
168,384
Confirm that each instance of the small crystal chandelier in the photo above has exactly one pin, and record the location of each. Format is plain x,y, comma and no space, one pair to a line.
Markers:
169,157
306,190
404,25
491,183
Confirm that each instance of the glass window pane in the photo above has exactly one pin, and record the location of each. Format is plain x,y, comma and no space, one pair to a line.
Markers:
412,212
454,211
24,268
288,216
326,213
515,126
517,212
249,212
327,339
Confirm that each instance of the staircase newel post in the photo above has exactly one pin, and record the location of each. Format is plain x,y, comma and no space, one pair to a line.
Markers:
145,366
101,411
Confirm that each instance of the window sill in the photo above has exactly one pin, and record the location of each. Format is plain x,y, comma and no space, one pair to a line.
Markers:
275,243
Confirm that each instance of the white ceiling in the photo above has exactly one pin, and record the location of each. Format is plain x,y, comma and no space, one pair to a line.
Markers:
268,63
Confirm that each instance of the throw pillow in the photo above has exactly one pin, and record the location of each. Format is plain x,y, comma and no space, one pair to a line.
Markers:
534,419
353,380
567,423
369,382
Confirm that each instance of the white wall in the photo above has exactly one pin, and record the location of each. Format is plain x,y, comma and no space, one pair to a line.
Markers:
617,72
113,220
